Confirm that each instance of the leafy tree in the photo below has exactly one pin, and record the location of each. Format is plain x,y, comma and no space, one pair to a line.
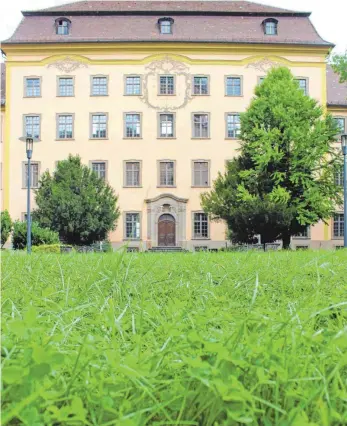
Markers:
39,236
284,178
5,226
76,203
339,64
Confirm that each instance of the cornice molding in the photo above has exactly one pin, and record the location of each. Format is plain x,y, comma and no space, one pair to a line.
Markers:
167,195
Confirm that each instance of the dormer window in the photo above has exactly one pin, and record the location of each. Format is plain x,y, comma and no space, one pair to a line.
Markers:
270,26
165,25
63,26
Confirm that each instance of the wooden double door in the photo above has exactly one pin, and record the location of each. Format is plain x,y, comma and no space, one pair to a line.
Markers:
166,231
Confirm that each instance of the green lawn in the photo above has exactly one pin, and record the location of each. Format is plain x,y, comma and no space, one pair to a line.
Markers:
175,339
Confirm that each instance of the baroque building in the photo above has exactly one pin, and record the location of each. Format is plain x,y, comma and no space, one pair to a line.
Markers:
149,94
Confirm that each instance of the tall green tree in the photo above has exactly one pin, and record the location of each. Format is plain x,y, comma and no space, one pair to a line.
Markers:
339,64
76,203
284,178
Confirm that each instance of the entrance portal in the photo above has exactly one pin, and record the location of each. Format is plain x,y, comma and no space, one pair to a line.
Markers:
166,231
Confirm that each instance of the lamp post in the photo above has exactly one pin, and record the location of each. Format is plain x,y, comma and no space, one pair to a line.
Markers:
344,152
29,144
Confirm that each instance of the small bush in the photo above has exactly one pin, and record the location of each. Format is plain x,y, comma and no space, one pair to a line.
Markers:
103,246
47,248
39,235
5,226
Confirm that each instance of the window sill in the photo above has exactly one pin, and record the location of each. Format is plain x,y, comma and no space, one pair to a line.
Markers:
32,97
196,138
166,94
201,94
140,138
296,237
232,139
132,239
97,96
64,139
233,96
130,94
201,239
33,187
98,139
166,186
337,238
65,96
163,137
132,186
201,186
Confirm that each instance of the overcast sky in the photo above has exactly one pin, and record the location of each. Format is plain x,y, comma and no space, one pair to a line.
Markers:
328,16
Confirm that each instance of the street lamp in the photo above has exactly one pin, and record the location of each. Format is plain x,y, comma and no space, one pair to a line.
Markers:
344,152
29,144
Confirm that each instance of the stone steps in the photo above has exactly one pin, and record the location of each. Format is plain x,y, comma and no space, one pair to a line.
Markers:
166,250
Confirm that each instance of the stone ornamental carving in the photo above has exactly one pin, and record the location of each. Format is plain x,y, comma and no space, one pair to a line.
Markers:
264,64
166,66
68,65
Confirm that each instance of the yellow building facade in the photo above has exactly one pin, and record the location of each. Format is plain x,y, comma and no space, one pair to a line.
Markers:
156,115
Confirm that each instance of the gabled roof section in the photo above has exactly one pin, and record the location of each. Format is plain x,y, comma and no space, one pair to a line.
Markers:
181,7
336,91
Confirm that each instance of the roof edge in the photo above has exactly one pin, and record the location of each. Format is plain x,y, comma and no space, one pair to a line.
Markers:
8,42
159,12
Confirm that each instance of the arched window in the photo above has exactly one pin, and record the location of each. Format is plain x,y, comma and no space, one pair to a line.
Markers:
62,26
270,26
165,25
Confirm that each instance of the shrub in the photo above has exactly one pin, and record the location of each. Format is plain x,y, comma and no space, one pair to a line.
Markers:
39,235
5,226
47,248
76,203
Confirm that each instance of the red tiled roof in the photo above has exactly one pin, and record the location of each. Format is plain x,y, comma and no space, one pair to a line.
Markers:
3,83
165,6
186,28
336,91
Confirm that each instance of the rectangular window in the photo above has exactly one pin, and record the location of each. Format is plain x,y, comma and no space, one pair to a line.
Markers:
99,126
200,228
132,173
32,87
165,27
132,125
32,126
200,126
166,125
306,233
339,177
65,86
261,79
99,86
233,126
132,226
133,85
338,230
341,124
166,173
99,167
24,217
233,86
303,84
200,85
65,126
200,173
167,85
34,175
